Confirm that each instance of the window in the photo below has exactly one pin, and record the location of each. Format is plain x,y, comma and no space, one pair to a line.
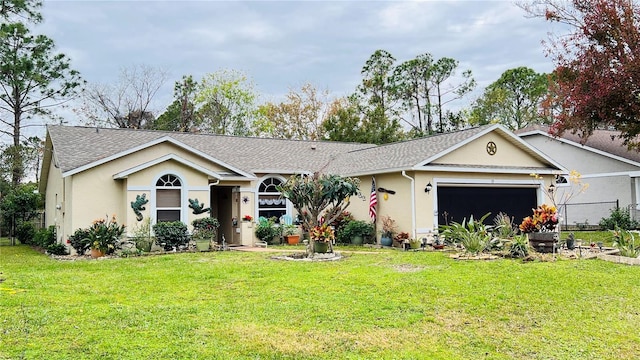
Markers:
168,198
561,180
269,202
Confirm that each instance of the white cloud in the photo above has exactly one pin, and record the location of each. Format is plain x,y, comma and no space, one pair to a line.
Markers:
284,44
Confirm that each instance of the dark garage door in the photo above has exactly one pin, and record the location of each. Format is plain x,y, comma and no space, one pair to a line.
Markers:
459,202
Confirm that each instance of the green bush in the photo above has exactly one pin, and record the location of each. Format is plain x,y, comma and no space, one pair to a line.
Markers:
80,241
619,217
266,230
341,221
104,235
519,246
45,237
473,235
504,226
171,234
625,241
25,233
57,249
354,228
206,227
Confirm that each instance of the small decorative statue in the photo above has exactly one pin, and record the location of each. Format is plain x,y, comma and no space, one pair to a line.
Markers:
138,205
197,207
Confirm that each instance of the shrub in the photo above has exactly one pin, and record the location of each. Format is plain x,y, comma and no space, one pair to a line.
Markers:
619,217
519,246
473,235
266,230
45,237
25,233
80,241
142,235
171,234
340,222
57,249
104,234
625,241
504,226
354,228
206,227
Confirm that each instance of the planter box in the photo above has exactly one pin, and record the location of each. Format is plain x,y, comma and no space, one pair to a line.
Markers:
543,241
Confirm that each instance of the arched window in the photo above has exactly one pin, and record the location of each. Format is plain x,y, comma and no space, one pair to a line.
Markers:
168,198
269,201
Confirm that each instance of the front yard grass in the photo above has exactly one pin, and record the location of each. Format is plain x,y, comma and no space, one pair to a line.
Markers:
381,305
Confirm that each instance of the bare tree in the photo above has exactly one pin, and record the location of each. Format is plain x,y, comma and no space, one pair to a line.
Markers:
126,104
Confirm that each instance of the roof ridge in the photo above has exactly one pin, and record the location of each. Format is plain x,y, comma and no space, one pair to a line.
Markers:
323,141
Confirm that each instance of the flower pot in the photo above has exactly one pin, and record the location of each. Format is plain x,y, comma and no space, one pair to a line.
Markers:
96,253
415,244
202,244
293,239
571,244
320,247
386,241
543,241
357,240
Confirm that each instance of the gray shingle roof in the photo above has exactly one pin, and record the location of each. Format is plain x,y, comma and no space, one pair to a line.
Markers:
608,141
80,146
402,155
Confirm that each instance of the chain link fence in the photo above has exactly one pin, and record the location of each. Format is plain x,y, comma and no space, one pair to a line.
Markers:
586,216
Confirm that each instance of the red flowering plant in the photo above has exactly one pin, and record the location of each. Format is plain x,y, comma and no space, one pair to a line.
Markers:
322,233
247,218
544,219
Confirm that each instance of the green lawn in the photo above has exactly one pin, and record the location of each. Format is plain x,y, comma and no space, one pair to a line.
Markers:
377,305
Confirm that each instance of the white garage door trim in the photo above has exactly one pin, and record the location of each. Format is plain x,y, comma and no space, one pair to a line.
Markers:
484,182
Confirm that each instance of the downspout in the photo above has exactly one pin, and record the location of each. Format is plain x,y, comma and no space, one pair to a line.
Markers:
413,204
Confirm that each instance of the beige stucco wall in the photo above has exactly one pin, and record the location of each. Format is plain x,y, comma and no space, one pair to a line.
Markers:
96,194
475,153
399,206
54,198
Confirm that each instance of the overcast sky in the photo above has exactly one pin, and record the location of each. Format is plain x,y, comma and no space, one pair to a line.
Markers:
283,44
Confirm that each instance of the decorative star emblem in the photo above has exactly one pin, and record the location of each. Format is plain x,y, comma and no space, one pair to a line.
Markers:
245,199
492,148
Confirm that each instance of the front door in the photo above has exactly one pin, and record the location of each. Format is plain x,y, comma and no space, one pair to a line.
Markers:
222,209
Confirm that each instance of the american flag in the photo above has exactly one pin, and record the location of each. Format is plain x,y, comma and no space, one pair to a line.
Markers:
373,200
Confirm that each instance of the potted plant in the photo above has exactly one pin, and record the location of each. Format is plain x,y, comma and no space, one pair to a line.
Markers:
389,228
322,236
205,231
103,236
541,228
290,233
401,239
247,218
266,230
355,231
415,243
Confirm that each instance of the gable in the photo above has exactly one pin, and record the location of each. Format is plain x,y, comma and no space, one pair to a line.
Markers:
147,154
496,149
491,149
580,157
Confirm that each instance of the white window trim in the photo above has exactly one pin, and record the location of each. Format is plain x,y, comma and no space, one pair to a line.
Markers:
288,206
183,196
